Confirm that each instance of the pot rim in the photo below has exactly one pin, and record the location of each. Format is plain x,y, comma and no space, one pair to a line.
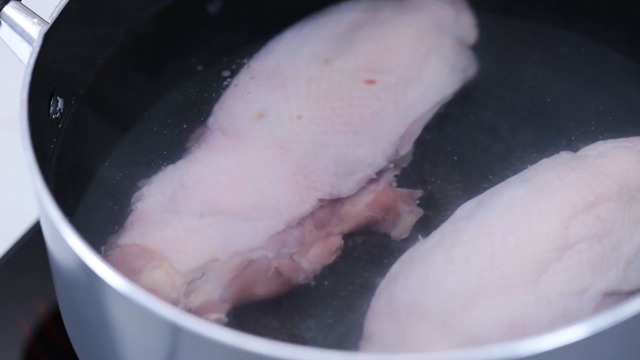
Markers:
267,347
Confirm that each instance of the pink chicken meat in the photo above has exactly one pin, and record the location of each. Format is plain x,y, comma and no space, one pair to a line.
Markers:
302,148
549,247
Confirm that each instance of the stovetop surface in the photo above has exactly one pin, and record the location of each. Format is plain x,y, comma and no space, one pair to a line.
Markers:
31,326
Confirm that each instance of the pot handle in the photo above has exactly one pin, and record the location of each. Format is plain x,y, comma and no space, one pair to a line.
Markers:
20,28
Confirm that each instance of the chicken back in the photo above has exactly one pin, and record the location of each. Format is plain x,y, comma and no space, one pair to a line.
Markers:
550,246
302,147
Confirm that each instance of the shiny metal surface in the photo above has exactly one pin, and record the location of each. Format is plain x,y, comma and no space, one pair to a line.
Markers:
20,28
108,317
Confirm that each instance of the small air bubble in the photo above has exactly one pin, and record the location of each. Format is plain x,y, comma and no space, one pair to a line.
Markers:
200,67
225,73
56,107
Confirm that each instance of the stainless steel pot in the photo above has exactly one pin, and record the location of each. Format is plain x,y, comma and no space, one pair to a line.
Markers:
109,317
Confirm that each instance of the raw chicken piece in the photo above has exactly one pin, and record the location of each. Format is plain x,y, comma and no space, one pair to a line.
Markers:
549,247
302,148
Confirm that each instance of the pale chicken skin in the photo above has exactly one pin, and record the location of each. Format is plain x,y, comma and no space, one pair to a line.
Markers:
549,247
302,148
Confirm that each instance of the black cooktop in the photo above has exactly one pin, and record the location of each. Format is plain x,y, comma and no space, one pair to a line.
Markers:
30,323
